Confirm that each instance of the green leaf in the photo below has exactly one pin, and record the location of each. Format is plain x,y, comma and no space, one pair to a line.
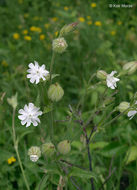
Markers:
48,108
4,155
76,144
24,134
131,154
55,75
43,182
98,145
82,173
52,168
113,149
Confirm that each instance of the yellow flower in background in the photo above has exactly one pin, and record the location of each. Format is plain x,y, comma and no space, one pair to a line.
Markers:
54,19
81,19
119,22
66,8
38,29
89,22
88,17
47,25
113,33
25,32
27,38
42,37
32,28
35,29
93,5
11,160
16,36
4,63
56,33
98,23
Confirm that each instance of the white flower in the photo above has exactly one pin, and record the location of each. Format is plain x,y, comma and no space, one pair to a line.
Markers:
37,72
132,113
29,115
111,80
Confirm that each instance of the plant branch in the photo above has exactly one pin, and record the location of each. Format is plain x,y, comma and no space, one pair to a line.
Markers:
16,149
108,177
51,113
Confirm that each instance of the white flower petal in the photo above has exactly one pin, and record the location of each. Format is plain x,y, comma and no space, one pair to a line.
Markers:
22,117
28,124
34,123
24,122
111,80
31,65
32,80
21,111
131,113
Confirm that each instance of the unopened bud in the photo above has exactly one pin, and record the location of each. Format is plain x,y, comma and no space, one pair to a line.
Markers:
101,75
68,28
34,153
123,106
48,149
55,92
59,45
13,101
64,147
130,67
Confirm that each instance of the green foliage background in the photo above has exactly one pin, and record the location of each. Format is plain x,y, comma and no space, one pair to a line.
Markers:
91,48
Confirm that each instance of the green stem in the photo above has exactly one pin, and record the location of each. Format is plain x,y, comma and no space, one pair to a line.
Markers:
51,113
16,149
51,66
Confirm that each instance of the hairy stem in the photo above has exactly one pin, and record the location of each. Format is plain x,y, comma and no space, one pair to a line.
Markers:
51,66
16,149
51,113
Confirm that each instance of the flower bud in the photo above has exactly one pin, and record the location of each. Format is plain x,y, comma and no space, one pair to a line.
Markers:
13,101
55,92
48,149
101,75
59,45
34,153
123,106
68,28
64,147
130,67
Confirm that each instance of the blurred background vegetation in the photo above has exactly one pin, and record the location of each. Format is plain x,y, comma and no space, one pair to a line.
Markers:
106,39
